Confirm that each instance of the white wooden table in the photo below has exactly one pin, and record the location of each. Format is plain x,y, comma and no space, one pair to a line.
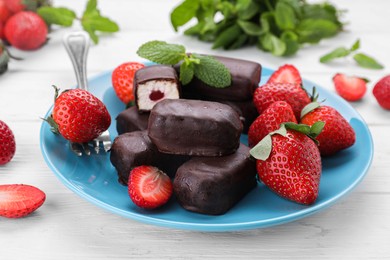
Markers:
68,227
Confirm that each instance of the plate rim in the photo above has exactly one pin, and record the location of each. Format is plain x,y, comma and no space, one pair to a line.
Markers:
217,227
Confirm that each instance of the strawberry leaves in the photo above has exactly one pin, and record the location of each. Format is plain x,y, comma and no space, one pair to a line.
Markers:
263,149
91,21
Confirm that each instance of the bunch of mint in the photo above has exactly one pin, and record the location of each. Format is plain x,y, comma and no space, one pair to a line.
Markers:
91,20
277,26
204,67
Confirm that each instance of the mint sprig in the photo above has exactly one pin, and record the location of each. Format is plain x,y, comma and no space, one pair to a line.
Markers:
205,68
91,21
361,59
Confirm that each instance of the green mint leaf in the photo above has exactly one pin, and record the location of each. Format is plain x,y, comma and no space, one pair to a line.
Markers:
291,40
91,7
366,61
247,9
183,13
355,46
92,21
273,44
239,42
212,72
320,11
90,30
186,72
57,15
337,53
313,30
268,23
227,37
284,16
100,23
309,107
162,52
250,28
263,149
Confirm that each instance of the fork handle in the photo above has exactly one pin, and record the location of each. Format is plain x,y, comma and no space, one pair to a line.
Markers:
77,45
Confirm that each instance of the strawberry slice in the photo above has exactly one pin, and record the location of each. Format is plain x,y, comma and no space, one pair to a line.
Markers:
19,200
286,74
149,187
350,88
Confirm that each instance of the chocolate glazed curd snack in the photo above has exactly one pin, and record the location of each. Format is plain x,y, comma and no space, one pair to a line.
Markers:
212,185
135,149
245,79
130,120
194,127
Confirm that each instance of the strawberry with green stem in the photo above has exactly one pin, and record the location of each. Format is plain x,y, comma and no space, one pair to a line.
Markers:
270,120
78,115
289,162
293,94
337,134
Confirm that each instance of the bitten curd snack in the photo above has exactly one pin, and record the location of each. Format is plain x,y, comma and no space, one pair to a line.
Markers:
153,84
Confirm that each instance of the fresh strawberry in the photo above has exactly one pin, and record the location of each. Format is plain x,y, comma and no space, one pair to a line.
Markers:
79,116
337,134
270,120
26,31
293,94
15,6
5,13
293,167
1,32
149,187
286,74
7,143
381,92
122,80
19,200
350,88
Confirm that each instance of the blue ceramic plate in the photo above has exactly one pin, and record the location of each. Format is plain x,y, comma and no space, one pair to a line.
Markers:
95,179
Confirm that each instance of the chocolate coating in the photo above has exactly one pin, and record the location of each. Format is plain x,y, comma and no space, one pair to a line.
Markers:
194,127
130,150
130,120
134,149
212,185
245,109
245,79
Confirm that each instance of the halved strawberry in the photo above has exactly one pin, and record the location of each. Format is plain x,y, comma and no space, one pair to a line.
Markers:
122,80
286,74
19,200
350,88
149,187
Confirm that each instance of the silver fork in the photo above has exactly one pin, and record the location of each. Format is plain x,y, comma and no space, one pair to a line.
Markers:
77,45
